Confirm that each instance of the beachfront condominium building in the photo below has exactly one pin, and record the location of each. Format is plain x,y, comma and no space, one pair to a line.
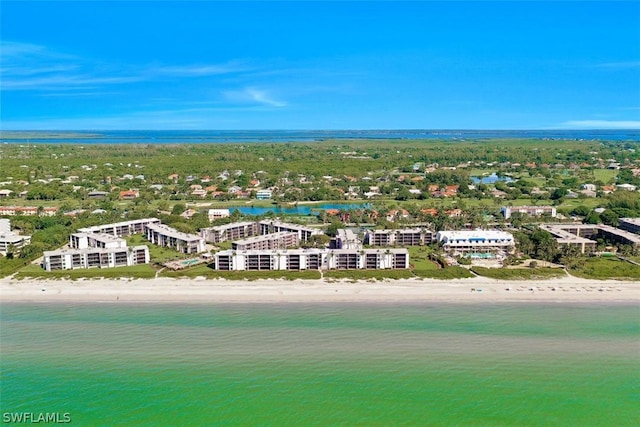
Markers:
570,235
280,240
401,237
96,240
10,241
95,257
476,242
243,230
532,211
311,259
233,231
584,236
274,226
121,229
346,239
165,236
631,225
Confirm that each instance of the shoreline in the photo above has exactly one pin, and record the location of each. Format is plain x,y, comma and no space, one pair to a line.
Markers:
201,290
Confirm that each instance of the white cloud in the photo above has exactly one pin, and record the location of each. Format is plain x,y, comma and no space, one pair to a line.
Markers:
33,67
204,70
602,124
619,65
253,95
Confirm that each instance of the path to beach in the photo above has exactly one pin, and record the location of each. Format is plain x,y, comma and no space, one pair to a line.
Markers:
200,290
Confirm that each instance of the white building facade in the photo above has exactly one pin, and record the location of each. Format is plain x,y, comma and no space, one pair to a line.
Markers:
92,257
470,242
532,211
311,259
165,236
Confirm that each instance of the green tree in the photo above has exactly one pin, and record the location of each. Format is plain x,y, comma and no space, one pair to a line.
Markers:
178,208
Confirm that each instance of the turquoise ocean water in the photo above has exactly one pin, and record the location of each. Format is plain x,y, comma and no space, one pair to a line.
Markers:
323,364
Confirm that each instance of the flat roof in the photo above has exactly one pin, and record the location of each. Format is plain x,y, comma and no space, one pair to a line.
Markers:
634,221
101,237
561,231
172,232
289,225
118,224
475,234
311,251
70,251
230,225
12,237
263,237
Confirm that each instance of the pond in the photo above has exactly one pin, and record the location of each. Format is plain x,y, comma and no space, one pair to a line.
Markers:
491,179
299,209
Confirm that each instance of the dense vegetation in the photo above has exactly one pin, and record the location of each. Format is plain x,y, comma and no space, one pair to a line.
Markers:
402,173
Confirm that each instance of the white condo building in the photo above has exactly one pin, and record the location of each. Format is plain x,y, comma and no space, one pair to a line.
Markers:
165,236
95,257
10,239
476,241
532,211
280,240
218,213
121,229
401,237
87,250
274,226
311,259
233,231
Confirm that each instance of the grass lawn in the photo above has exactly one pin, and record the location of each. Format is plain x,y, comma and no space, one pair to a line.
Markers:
607,268
368,274
418,258
204,271
136,272
425,268
605,175
519,273
444,273
590,202
156,253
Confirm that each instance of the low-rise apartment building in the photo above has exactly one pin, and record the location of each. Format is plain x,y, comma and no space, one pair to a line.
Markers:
165,236
27,210
214,214
121,229
95,240
475,242
11,240
311,259
584,236
346,239
275,226
401,237
279,240
532,211
233,231
95,257
631,225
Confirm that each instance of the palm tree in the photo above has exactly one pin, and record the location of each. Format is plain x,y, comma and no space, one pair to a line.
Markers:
387,257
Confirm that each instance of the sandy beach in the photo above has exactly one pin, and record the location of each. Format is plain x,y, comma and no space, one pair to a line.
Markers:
201,290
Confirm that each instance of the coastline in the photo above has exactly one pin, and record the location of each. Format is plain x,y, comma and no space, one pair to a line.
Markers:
201,290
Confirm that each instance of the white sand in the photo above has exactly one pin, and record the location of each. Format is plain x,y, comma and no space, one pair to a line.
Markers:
200,290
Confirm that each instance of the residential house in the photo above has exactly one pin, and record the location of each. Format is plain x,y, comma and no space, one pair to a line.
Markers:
129,194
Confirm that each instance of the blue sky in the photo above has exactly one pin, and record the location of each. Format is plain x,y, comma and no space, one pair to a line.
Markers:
92,65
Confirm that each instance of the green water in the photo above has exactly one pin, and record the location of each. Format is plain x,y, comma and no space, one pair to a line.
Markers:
324,364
